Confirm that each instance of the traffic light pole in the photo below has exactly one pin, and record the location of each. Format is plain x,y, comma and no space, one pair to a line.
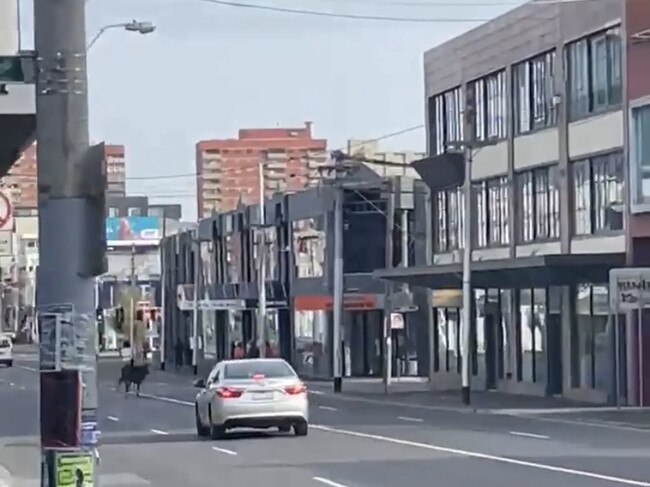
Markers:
70,197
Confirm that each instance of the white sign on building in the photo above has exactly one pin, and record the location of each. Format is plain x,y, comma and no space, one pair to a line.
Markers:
629,289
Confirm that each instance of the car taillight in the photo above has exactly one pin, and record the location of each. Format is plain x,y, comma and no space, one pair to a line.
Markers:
294,390
229,393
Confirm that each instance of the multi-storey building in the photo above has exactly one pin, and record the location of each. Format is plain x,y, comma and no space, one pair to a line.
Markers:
554,100
228,170
115,165
21,183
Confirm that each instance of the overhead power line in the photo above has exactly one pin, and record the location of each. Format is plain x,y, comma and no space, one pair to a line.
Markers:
296,11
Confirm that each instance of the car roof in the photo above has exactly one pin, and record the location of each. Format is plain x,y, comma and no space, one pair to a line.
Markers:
253,360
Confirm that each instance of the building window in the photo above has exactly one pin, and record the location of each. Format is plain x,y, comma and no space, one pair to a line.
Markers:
640,151
591,338
594,73
598,194
539,204
447,328
491,198
445,120
534,93
113,212
134,211
490,109
532,335
449,220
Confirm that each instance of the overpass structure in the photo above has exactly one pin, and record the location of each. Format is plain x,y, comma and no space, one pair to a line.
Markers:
17,95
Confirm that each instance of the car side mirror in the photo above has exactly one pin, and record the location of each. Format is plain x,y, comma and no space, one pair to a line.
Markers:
199,383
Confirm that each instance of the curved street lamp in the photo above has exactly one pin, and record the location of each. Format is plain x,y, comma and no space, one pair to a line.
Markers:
133,26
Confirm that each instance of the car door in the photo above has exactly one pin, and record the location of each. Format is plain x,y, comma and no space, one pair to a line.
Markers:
204,397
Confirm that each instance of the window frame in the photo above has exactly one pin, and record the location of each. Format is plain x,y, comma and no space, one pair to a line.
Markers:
587,71
529,211
598,191
450,211
533,94
491,204
446,112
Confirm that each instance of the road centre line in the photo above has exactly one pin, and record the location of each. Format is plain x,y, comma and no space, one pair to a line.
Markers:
529,435
327,408
159,432
224,450
113,418
410,419
455,451
331,483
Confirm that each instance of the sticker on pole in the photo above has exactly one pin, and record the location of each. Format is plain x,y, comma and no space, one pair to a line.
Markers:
396,321
74,469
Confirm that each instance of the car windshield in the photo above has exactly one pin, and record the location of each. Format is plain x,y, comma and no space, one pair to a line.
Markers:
270,369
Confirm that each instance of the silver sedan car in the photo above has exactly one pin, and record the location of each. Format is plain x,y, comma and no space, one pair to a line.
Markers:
251,393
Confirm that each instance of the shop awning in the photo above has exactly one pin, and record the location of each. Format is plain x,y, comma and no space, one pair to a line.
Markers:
534,271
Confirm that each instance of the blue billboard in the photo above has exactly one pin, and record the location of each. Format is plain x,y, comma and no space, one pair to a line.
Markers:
133,230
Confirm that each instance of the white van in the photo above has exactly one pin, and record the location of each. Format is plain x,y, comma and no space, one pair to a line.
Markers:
6,351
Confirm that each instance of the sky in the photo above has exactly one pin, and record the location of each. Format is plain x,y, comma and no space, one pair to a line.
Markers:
211,69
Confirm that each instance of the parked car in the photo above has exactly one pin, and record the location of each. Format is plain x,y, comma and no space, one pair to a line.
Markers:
6,351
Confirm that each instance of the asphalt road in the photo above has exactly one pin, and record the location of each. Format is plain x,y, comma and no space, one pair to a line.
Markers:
353,442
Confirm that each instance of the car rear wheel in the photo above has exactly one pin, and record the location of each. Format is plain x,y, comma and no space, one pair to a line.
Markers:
284,428
217,431
201,430
10,363
301,429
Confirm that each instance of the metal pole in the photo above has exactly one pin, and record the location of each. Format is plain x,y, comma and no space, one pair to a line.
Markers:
163,294
640,343
195,309
338,290
133,282
467,277
66,211
261,316
617,359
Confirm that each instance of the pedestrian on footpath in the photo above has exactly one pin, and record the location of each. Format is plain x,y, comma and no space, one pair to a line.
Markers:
238,351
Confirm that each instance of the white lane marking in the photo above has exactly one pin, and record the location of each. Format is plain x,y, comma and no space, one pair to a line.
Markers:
485,456
159,432
529,435
317,393
31,369
167,399
22,388
410,419
223,450
444,449
12,384
331,483
590,424
327,408
113,418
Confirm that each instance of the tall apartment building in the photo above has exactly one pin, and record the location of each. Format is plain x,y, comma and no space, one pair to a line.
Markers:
21,182
115,161
228,169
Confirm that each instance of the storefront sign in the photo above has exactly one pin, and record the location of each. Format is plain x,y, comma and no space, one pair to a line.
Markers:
629,289
351,302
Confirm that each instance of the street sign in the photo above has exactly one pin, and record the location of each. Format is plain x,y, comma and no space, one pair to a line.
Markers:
629,289
11,69
396,321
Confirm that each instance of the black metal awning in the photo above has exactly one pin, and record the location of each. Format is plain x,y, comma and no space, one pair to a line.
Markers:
534,271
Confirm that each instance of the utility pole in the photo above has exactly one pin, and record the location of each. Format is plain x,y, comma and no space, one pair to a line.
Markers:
261,275
134,284
467,277
71,242
195,305
163,293
339,285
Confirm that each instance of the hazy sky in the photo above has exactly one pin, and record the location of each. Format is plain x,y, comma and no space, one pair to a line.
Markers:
209,70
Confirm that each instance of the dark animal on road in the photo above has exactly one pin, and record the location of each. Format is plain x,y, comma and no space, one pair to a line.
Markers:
133,374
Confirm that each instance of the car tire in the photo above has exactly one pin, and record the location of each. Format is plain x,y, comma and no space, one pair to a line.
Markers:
201,430
10,363
301,429
284,428
217,431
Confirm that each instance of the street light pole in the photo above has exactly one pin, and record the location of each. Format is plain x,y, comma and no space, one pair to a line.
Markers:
195,306
261,318
134,26
467,277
